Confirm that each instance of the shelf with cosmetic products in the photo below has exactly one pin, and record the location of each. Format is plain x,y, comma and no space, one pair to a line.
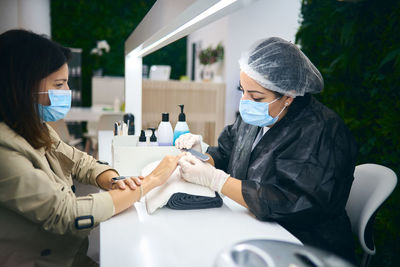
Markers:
204,105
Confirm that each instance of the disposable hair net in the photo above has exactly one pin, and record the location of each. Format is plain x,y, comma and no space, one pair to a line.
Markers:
280,66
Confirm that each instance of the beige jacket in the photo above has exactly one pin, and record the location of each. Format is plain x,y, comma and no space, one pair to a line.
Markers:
39,212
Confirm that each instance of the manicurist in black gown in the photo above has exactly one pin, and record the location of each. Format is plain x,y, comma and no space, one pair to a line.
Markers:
287,158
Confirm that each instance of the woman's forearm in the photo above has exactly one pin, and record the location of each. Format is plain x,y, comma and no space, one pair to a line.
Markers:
123,199
104,179
233,189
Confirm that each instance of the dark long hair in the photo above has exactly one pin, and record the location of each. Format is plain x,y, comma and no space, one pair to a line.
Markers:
25,59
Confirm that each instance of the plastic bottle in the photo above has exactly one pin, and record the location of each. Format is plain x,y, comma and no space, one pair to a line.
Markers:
181,126
153,137
142,139
164,132
117,105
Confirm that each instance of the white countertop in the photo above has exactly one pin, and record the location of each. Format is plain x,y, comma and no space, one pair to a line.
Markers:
177,237
180,237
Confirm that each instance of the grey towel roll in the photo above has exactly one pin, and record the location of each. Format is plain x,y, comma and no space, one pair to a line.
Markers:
183,201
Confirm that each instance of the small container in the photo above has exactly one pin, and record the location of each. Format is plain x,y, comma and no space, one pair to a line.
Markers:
153,137
142,139
164,132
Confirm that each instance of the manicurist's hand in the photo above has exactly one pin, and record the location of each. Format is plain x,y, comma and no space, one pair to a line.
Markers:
189,141
195,171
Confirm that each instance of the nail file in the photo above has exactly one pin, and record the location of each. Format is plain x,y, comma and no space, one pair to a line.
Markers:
197,154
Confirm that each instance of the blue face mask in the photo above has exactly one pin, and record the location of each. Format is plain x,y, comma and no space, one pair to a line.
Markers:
60,104
257,113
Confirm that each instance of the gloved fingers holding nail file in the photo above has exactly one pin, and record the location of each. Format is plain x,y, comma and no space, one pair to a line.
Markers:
202,173
191,143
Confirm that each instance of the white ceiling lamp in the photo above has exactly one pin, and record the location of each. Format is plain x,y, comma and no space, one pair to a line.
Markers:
172,26
141,51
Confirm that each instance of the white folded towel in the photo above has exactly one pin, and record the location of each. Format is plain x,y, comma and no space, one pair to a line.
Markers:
159,196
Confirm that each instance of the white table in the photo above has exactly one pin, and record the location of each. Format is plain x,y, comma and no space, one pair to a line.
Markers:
79,114
178,238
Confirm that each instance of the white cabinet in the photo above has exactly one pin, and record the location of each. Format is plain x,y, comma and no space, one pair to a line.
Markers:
105,89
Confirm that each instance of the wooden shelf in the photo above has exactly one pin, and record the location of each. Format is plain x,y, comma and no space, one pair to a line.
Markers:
204,105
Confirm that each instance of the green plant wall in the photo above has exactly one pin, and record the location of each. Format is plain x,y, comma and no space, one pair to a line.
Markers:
80,23
356,46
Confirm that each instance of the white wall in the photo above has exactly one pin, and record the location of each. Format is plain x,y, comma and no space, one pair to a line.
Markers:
106,89
208,36
31,15
261,19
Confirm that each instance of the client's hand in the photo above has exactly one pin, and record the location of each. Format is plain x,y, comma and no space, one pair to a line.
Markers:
131,182
195,171
164,170
189,141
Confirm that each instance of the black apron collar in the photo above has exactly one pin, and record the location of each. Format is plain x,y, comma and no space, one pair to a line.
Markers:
239,162
274,132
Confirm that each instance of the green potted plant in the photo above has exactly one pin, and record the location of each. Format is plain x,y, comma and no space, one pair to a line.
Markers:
209,58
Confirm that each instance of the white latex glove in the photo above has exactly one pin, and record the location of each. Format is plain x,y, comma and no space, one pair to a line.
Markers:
195,171
187,141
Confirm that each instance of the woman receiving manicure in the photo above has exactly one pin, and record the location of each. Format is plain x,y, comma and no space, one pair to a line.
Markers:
43,223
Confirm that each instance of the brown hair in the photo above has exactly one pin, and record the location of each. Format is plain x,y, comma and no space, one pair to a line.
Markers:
26,59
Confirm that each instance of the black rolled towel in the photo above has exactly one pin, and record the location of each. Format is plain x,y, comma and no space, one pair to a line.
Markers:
183,201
